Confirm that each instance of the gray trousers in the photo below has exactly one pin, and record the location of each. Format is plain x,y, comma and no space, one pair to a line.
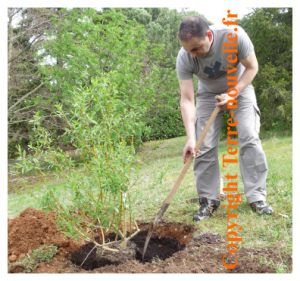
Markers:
252,160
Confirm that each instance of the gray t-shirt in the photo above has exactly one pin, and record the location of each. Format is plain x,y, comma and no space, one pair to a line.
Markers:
211,70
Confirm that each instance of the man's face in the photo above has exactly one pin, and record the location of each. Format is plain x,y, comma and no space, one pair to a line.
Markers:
198,47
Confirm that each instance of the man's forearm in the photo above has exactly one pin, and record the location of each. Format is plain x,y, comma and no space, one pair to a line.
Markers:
246,78
188,113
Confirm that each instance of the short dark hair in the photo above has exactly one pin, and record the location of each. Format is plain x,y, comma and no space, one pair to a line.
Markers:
192,26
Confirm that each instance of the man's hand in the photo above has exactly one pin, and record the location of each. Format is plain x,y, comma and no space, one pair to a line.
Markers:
223,104
189,149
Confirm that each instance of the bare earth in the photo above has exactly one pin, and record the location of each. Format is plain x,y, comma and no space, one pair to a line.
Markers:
173,248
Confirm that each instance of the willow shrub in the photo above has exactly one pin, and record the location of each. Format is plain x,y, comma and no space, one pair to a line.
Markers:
95,195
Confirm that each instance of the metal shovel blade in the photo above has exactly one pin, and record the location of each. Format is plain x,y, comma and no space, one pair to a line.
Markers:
150,231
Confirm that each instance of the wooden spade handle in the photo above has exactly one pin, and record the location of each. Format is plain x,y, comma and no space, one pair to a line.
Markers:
190,158
187,163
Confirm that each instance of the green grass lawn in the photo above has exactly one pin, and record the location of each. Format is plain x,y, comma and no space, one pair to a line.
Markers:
161,162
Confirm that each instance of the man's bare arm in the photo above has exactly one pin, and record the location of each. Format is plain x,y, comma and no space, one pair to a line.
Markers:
187,105
251,70
188,113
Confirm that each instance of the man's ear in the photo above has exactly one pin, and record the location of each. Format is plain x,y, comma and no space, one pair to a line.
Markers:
209,34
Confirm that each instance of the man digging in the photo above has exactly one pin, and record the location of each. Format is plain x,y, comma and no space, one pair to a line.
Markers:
202,54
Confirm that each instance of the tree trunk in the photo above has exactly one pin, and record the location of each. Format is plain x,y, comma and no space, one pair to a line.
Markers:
10,35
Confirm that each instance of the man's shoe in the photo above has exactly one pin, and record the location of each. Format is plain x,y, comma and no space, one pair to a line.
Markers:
261,207
207,207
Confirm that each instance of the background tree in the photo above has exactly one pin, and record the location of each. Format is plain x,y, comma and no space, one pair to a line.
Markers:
163,116
162,26
270,30
26,92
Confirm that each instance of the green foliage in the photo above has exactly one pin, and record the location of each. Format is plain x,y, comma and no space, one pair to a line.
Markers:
270,30
94,195
168,123
162,26
44,253
163,115
89,44
276,97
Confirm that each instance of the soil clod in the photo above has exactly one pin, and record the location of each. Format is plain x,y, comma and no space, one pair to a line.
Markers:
208,238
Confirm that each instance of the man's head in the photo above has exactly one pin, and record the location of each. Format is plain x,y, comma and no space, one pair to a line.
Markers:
195,36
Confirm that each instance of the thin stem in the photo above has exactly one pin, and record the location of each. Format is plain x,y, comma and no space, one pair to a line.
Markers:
119,225
87,171
105,138
136,224
24,97
103,238
134,234
123,246
121,234
111,250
